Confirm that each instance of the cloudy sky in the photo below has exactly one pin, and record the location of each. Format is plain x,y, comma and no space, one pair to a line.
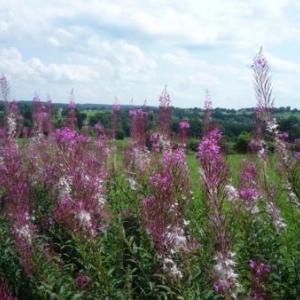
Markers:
130,49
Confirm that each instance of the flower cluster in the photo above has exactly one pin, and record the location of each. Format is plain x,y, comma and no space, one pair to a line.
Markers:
4,88
163,212
4,292
71,120
297,152
39,117
225,276
184,125
137,156
164,113
259,61
207,113
80,182
138,126
211,161
159,142
275,213
66,137
248,186
82,280
259,276
114,118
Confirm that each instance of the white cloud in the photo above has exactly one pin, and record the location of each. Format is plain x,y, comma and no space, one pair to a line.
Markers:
205,79
53,41
283,66
32,69
132,48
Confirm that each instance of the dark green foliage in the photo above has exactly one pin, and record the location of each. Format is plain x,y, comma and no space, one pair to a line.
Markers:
10,267
242,143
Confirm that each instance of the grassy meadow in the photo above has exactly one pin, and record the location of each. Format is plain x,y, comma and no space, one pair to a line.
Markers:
86,216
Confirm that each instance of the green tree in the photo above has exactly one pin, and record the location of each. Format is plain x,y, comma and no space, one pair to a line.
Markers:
242,142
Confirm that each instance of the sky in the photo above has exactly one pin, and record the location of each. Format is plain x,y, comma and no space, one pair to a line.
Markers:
130,49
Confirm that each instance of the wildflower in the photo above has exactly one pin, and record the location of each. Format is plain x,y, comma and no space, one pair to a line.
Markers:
85,218
256,145
12,125
155,223
158,180
170,266
274,212
184,124
164,98
82,280
4,88
66,136
116,107
72,105
250,195
176,239
138,127
114,119
207,113
155,142
209,155
259,61
98,128
226,277
164,113
132,183
259,276
2,133
65,186
283,136
231,193
259,268
263,88
272,126
25,233
4,292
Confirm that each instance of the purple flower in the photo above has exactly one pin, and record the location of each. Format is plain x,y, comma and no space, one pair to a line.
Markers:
158,180
82,280
222,285
138,127
4,292
66,136
164,98
209,149
259,61
2,133
184,124
14,106
72,105
256,145
259,275
98,128
248,194
283,136
116,107
164,113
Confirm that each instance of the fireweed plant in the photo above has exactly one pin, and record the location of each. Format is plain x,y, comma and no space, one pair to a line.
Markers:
81,220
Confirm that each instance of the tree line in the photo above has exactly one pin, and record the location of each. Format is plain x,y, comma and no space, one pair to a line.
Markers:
235,124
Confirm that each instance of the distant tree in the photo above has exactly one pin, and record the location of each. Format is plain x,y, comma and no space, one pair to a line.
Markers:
195,129
218,114
291,125
80,118
242,142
